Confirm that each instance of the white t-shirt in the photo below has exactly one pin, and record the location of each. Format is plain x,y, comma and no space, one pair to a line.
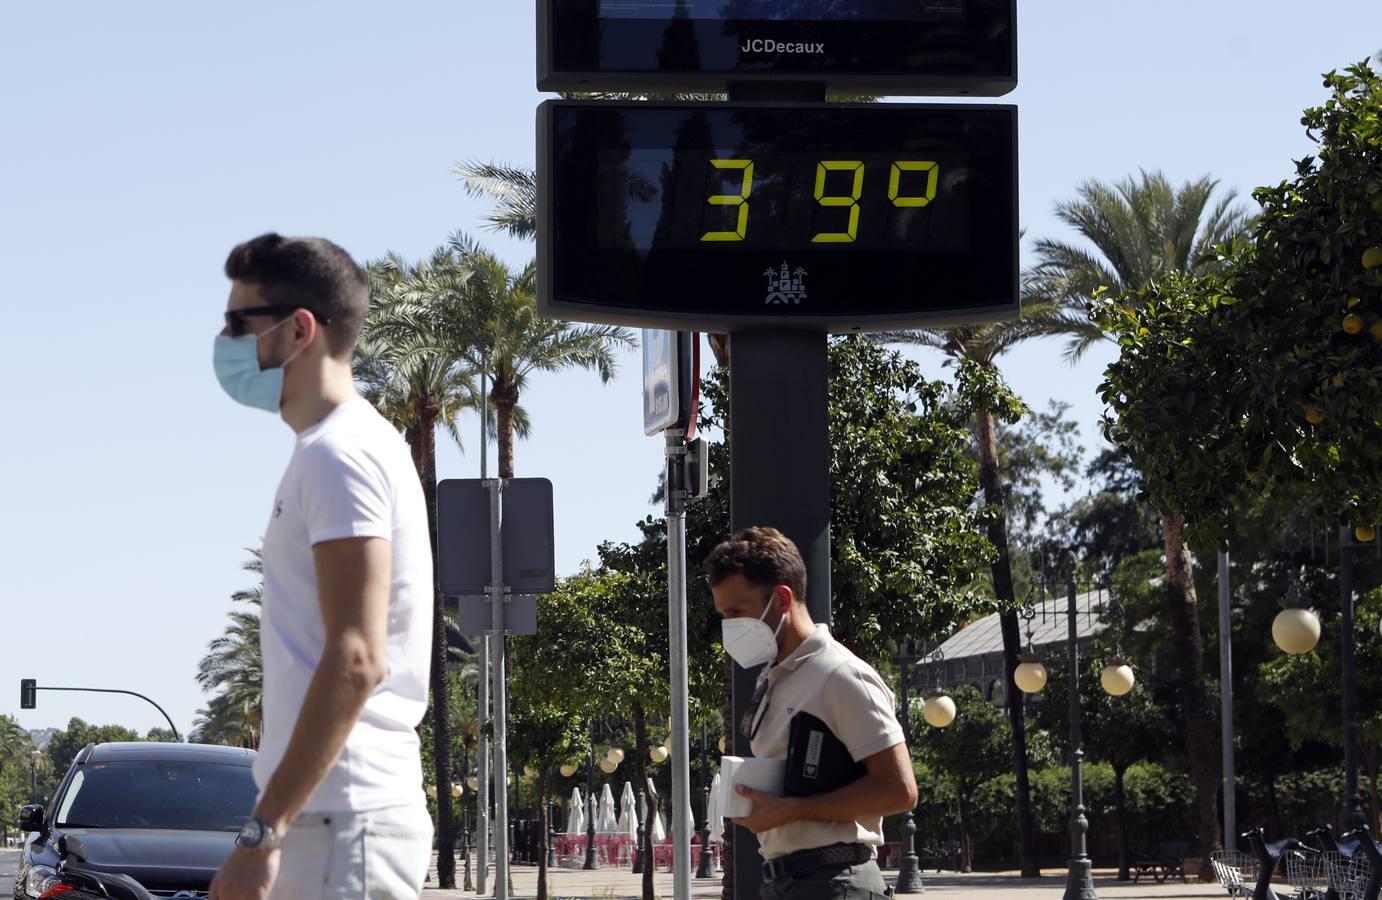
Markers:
350,476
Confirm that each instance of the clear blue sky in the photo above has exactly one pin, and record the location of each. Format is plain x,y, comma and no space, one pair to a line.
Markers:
140,140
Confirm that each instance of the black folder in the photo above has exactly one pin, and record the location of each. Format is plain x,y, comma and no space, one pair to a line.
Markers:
817,761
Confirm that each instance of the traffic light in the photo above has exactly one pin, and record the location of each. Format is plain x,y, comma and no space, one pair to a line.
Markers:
28,693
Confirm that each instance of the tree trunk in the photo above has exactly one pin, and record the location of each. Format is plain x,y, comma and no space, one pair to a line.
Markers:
640,774
545,825
1120,802
1200,746
991,480
1275,803
504,396
423,443
966,856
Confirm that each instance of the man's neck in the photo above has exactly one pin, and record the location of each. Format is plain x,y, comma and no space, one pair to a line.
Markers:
798,628
328,388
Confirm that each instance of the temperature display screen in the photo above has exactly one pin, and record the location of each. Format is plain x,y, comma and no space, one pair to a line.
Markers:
842,215
783,10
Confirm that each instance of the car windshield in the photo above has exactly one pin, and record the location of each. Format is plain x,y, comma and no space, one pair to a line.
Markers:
147,794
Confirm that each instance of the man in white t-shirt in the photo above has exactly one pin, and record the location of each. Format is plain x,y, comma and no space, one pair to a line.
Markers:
347,610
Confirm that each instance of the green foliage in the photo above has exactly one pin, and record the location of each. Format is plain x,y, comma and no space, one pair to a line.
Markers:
905,535
1249,379
972,749
1172,405
1307,689
1303,274
16,774
1116,730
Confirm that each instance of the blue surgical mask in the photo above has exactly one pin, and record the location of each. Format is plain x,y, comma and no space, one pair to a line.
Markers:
236,361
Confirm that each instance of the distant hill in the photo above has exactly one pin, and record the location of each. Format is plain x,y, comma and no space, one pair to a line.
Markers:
41,736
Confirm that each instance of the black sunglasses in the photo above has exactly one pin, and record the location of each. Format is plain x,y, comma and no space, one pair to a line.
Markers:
235,318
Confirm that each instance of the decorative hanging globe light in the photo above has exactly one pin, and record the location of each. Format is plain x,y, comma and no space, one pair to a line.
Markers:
1365,534
608,766
1030,674
659,754
473,782
567,770
1296,630
722,746
939,710
456,791
667,744
615,755
432,791
1118,677
530,771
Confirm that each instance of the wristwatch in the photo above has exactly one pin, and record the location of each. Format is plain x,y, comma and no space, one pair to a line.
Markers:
255,836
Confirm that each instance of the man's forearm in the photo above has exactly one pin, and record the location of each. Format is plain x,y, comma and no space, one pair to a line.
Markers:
335,698
863,799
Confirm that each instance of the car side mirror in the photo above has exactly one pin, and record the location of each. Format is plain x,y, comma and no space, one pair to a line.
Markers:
31,817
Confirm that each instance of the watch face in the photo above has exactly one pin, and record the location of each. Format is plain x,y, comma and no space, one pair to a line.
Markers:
251,833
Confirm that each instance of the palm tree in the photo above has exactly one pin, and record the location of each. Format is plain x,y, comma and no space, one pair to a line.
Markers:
1141,229
233,669
513,190
981,346
504,337
408,367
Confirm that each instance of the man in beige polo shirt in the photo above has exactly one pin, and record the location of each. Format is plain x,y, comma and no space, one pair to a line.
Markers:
819,846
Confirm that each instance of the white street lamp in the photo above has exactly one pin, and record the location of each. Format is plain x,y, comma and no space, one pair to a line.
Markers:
1296,630
474,783
567,770
658,754
615,755
608,766
1118,677
456,791
939,710
1030,674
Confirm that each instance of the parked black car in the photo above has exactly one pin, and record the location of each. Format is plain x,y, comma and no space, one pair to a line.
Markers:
164,815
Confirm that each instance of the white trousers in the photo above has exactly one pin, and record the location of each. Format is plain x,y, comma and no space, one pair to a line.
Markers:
382,854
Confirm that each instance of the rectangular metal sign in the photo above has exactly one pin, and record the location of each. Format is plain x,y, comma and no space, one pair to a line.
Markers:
661,384
473,615
848,217
526,534
893,47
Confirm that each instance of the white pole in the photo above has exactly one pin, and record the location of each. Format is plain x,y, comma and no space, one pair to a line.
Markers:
501,781
482,713
676,616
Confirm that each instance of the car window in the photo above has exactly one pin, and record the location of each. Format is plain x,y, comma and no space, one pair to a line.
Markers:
176,795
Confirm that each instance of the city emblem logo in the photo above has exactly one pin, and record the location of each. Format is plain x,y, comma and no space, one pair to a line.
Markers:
786,286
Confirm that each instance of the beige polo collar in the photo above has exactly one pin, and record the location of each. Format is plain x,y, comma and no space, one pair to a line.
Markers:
818,641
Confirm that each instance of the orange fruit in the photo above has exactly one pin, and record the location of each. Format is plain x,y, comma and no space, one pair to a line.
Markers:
1313,414
1365,534
1353,324
1372,257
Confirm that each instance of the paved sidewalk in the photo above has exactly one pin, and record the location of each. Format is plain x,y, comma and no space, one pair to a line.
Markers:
612,884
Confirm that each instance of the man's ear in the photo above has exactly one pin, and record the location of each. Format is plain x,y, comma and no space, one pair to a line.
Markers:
782,598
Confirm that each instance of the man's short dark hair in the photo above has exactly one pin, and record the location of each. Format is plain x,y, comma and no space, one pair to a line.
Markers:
312,273
764,556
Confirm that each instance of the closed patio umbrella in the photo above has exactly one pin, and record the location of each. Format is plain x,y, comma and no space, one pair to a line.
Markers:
606,822
716,817
628,812
575,820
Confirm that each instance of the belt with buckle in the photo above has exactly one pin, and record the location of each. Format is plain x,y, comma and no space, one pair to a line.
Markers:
807,860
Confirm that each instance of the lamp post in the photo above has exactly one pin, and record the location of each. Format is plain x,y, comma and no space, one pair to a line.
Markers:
909,869
1296,630
1079,883
590,803
703,864
465,815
